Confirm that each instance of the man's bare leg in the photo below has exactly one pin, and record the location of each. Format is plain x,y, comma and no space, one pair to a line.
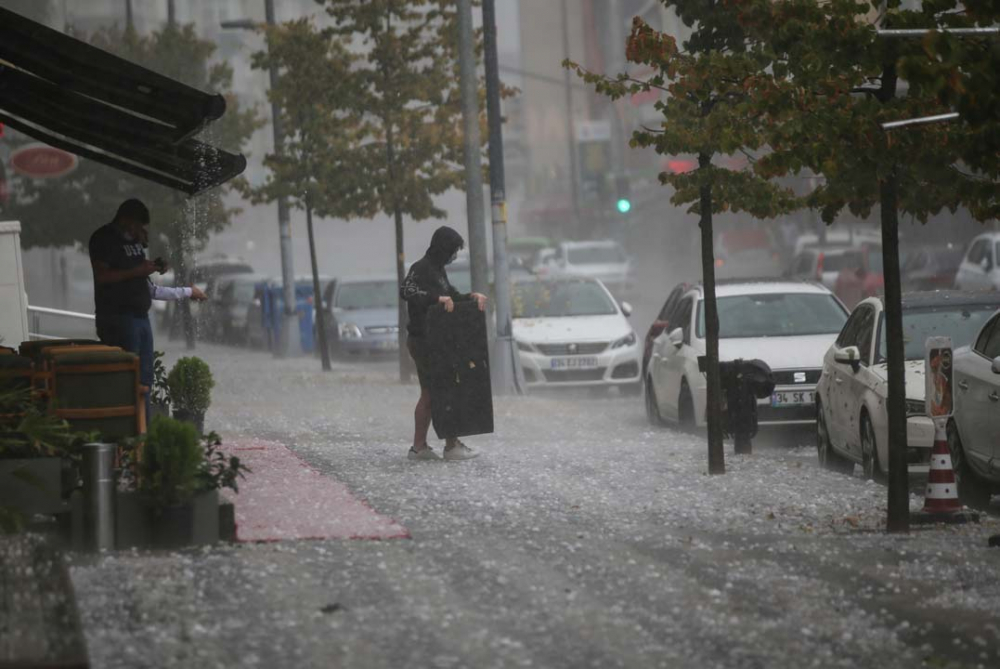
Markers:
422,420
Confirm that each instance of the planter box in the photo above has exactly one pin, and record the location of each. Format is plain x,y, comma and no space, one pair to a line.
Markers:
41,493
158,409
138,526
198,420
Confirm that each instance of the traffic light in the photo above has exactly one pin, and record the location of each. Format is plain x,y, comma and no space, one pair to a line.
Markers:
623,192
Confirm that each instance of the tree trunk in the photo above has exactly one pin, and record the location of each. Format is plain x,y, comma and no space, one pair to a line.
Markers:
318,306
899,506
716,455
390,151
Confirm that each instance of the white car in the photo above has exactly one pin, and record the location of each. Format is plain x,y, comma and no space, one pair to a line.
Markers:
974,431
570,331
787,324
604,260
852,420
980,269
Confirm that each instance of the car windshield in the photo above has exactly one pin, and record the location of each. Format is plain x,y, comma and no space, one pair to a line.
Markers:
776,315
595,255
961,323
537,299
834,262
367,295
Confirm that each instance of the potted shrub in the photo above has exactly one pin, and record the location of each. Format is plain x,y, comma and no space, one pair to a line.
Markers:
33,446
174,500
190,383
159,394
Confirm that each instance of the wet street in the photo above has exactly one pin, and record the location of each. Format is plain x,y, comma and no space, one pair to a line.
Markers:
582,537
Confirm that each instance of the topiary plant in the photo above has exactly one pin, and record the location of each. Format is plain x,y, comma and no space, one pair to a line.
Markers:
190,383
172,459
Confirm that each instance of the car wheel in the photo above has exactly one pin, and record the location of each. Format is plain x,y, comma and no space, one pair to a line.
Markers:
652,407
869,452
972,491
685,407
829,458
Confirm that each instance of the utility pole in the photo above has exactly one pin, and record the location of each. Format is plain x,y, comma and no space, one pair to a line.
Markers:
129,18
478,260
574,174
171,13
505,364
290,344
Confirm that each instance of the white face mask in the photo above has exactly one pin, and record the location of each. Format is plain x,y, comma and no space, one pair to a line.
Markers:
454,256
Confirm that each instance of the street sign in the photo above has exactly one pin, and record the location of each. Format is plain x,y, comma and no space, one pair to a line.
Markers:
938,377
41,161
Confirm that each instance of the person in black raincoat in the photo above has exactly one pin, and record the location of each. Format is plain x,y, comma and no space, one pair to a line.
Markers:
425,285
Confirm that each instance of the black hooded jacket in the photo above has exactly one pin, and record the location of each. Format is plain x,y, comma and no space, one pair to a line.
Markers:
427,281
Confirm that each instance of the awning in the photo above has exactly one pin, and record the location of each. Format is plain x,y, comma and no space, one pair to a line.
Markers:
81,99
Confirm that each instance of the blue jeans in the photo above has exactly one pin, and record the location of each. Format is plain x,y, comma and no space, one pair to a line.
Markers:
135,335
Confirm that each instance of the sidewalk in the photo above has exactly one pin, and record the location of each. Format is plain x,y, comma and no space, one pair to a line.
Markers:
582,537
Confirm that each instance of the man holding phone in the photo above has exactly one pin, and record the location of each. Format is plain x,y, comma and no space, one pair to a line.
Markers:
123,291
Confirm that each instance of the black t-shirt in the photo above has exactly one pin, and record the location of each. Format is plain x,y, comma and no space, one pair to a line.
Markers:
108,245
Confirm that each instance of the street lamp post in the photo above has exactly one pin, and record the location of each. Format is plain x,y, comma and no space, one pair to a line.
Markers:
290,344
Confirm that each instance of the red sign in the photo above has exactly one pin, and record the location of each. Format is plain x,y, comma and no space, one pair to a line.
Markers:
40,161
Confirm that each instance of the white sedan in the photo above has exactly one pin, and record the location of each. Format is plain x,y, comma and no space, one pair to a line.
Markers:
787,324
571,332
974,431
852,420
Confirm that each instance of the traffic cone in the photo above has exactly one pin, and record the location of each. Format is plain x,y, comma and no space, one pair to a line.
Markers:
941,503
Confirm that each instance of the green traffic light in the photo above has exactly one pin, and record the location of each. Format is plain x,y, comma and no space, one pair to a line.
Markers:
624,206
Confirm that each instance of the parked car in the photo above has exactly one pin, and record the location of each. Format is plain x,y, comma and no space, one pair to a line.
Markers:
604,260
824,263
931,267
746,253
225,317
570,331
839,236
974,431
980,269
852,420
524,249
787,324
867,279
460,271
204,271
662,322
363,313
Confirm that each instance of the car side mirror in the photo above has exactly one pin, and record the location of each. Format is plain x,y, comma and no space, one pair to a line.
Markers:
676,337
996,365
849,355
256,301
986,264
626,309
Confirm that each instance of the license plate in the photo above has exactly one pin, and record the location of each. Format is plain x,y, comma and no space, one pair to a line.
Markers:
790,398
576,362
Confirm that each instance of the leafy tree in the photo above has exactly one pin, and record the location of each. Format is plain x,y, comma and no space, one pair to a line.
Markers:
706,112
832,83
65,211
314,171
406,92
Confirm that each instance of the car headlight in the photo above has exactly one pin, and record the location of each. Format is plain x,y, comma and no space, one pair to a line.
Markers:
916,408
525,346
350,331
627,340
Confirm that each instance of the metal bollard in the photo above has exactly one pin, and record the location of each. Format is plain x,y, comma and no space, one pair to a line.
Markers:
99,496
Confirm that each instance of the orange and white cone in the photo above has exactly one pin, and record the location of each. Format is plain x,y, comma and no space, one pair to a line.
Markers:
941,504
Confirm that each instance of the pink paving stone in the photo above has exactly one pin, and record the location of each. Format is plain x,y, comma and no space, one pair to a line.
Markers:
284,498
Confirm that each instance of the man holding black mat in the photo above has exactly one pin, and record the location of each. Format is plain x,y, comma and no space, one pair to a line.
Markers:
425,285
